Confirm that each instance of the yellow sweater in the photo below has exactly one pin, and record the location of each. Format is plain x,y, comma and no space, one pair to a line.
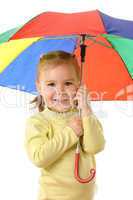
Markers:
50,144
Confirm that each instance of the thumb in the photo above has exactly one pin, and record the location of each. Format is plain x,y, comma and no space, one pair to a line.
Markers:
75,101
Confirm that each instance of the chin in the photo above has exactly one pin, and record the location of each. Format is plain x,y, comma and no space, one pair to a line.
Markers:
62,109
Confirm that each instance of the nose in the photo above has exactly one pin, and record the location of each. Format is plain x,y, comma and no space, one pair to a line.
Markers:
60,89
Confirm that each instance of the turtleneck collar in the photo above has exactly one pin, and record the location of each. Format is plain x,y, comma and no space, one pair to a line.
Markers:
52,113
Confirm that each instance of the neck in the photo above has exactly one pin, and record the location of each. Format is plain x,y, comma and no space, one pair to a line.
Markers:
54,110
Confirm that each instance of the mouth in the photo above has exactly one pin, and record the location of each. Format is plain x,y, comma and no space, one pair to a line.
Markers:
61,103
60,100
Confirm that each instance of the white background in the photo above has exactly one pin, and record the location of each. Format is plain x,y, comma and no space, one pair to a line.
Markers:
18,177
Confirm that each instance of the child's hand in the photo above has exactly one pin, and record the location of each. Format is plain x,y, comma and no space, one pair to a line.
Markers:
82,96
76,124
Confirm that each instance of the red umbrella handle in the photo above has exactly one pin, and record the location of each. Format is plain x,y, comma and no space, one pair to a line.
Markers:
77,153
76,169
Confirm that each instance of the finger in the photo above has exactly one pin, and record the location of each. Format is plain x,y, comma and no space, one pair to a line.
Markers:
75,101
77,117
83,86
83,89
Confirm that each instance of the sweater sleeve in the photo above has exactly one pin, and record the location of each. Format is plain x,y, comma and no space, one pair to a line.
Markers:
93,140
43,151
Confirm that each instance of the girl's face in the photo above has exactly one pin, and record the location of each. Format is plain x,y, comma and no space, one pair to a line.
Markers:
58,86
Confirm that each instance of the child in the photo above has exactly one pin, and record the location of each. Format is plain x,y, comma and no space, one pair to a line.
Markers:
53,132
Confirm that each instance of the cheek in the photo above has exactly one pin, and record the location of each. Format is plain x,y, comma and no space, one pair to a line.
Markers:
72,91
48,93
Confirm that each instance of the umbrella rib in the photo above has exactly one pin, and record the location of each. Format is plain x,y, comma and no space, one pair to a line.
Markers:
95,41
92,38
60,37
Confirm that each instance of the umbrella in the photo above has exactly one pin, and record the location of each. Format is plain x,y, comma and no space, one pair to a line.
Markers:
111,68
103,43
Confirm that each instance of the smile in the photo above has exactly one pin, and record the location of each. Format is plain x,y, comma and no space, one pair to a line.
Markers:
62,100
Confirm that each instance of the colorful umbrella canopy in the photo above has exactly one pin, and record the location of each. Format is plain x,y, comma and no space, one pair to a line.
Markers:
108,68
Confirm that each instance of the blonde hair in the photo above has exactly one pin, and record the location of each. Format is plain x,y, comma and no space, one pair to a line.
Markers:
50,60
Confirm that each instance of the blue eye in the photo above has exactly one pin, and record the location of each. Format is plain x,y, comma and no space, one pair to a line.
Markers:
68,83
51,84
